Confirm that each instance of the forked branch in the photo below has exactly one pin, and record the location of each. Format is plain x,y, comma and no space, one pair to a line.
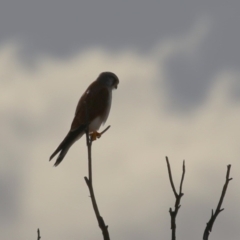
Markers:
178,196
214,215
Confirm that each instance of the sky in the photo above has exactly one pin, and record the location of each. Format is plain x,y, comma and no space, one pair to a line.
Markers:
179,96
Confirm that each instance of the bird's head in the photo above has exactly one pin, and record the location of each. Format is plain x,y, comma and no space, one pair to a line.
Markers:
109,79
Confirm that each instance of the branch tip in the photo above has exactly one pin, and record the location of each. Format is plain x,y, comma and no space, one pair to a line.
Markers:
105,130
178,197
214,215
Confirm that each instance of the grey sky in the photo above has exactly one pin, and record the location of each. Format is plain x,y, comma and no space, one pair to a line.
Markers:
184,109
61,28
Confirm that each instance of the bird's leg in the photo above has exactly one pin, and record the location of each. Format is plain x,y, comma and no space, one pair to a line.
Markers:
95,135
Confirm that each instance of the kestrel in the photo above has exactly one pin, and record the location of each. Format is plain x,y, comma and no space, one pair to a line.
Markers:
92,110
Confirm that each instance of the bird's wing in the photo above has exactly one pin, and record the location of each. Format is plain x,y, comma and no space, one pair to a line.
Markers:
92,104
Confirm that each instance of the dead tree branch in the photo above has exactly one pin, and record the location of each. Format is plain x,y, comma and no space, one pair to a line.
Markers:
89,182
178,196
38,234
210,223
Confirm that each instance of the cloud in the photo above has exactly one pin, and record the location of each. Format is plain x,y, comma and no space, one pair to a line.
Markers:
130,177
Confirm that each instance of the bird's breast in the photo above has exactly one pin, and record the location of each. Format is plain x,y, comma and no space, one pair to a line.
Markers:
95,124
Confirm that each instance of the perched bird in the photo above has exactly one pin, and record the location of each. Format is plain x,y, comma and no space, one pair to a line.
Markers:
92,111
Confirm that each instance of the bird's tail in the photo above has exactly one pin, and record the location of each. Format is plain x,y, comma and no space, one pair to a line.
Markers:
65,145
63,149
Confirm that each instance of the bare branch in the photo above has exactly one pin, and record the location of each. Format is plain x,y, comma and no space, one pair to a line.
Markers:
210,223
38,234
170,177
89,182
183,174
105,130
178,197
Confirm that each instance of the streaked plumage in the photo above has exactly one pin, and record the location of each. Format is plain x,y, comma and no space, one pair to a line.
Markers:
97,98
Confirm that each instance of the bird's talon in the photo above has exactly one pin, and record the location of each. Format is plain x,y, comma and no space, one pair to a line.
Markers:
95,135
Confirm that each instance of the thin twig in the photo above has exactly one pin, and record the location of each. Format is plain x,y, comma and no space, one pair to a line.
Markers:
38,234
170,177
178,197
89,182
105,130
210,223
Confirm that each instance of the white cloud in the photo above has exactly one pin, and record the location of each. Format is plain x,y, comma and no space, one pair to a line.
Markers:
130,175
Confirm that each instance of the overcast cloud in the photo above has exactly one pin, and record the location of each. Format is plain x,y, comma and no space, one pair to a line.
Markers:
178,96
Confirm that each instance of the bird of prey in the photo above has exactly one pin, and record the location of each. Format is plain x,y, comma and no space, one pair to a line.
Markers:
92,111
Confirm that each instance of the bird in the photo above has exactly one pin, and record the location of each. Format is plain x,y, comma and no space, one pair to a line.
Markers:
92,111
